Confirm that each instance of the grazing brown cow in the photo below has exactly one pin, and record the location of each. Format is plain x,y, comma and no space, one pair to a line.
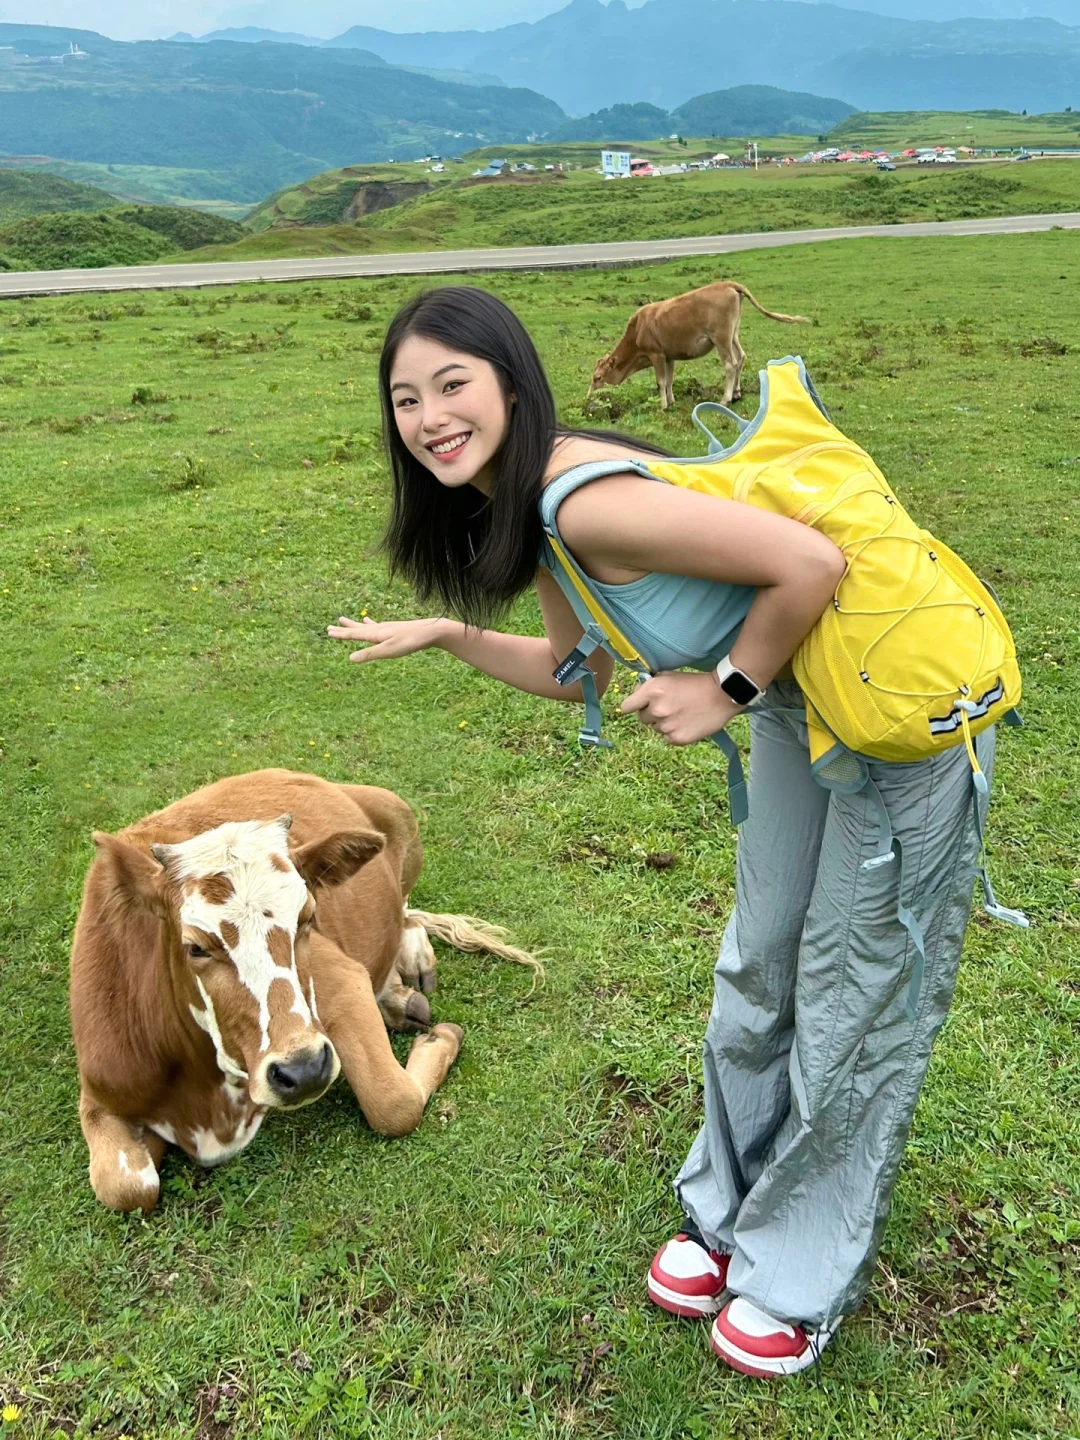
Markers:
684,328
233,953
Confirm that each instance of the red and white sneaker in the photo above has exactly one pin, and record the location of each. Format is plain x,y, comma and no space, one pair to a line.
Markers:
755,1343
688,1279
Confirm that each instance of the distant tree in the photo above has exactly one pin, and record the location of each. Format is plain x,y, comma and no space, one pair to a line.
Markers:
1023,112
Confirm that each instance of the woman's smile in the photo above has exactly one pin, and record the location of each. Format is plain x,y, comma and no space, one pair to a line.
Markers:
449,447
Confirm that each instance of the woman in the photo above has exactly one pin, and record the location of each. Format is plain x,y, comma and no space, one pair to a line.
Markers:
812,1063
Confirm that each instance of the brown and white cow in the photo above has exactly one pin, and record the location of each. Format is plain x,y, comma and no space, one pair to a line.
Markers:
237,950
684,328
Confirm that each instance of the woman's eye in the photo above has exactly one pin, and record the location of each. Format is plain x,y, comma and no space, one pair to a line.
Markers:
452,384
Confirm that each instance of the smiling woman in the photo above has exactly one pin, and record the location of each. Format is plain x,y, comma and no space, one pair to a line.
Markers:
822,1024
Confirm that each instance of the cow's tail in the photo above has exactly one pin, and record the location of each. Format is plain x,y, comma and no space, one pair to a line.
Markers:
465,932
772,314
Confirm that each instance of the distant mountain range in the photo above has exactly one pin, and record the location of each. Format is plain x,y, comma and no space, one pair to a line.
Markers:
250,118
590,56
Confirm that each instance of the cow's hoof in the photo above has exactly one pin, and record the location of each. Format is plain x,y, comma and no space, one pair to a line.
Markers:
447,1031
418,1010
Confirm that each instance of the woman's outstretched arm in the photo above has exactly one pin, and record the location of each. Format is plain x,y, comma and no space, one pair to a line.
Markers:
524,661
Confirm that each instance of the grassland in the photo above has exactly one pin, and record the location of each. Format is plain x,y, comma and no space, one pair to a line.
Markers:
192,488
994,129
580,206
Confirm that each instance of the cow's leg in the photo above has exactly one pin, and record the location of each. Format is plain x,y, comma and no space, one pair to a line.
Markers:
124,1158
403,1008
412,978
726,351
669,380
740,357
660,370
391,1098
415,961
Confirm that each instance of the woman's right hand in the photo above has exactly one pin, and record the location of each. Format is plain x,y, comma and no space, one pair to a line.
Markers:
388,640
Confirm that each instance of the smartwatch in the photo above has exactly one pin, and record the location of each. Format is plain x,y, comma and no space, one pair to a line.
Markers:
736,684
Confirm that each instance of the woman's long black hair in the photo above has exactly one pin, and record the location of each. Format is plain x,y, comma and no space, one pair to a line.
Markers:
474,553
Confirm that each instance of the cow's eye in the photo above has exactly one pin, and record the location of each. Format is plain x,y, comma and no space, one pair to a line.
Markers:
196,952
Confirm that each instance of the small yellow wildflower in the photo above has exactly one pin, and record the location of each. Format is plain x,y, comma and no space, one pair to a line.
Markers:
10,1414
462,724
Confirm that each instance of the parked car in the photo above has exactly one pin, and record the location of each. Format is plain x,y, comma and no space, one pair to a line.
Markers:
1024,155
885,165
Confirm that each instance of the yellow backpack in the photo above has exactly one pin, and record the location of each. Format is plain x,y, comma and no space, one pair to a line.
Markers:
913,657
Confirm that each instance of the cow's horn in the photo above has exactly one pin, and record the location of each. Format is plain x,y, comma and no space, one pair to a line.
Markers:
160,853
285,821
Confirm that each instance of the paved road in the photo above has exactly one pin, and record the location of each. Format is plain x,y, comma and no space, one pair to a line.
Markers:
526,257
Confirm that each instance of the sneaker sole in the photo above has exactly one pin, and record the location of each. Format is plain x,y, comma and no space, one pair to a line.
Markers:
760,1366
688,1307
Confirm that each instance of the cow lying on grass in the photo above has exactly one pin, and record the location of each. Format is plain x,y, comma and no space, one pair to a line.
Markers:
226,963
684,328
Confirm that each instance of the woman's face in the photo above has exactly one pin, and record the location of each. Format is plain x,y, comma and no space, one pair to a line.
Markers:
450,411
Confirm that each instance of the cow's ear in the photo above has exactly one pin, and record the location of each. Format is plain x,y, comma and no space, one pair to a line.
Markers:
338,857
135,875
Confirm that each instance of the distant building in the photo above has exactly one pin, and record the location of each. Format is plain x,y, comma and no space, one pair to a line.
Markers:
615,162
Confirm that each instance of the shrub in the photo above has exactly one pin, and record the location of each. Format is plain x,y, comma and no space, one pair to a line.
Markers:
79,241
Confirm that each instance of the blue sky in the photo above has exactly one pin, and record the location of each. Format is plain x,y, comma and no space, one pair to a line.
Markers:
153,19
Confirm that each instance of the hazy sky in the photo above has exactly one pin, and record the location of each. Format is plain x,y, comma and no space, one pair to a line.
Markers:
153,19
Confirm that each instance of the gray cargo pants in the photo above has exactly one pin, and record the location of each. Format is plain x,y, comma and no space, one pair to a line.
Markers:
813,1063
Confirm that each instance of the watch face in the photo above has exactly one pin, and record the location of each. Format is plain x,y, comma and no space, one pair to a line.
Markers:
741,689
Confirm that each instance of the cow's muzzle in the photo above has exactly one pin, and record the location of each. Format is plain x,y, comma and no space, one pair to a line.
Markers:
303,1076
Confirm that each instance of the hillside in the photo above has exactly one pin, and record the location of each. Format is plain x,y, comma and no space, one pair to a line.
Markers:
130,235
564,209
25,192
760,110
247,118
745,110
589,56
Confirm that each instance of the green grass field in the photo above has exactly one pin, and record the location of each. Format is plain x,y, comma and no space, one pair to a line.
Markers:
193,488
997,129
581,207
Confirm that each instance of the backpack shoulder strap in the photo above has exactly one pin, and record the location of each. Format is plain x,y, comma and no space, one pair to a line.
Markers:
573,479
574,668
582,584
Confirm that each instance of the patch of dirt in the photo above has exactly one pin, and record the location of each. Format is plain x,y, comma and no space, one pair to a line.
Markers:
214,1408
662,860
383,195
1042,345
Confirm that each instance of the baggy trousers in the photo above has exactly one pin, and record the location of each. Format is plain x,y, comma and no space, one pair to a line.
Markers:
816,1048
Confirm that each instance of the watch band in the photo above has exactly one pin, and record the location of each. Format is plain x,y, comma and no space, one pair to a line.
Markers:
736,684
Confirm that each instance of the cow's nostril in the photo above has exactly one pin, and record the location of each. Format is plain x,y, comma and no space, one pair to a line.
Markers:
301,1076
281,1078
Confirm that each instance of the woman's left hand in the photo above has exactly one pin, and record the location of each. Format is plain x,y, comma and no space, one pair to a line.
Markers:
681,707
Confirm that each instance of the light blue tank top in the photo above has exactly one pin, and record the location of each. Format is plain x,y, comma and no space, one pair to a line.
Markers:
675,622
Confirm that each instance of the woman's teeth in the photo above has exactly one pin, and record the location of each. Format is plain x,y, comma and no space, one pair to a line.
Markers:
449,445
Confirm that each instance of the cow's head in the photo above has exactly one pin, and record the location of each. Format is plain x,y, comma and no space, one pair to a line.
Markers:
238,908
615,367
